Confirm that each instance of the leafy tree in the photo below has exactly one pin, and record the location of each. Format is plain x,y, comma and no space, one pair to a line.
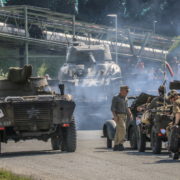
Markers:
130,12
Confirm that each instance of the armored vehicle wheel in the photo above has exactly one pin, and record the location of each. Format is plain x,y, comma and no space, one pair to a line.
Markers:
156,142
109,143
133,138
141,140
55,142
69,138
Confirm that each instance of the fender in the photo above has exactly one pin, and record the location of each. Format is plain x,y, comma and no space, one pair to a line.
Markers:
110,129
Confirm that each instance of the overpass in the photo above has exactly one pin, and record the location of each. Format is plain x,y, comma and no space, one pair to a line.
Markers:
26,26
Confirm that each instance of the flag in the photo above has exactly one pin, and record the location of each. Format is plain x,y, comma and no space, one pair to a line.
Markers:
169,69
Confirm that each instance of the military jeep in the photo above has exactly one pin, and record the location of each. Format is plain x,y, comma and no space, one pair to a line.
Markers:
30,110
151,125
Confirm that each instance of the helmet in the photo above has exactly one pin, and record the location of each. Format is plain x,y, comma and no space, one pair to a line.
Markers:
172,94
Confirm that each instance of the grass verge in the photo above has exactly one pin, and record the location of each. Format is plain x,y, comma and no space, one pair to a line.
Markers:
7,175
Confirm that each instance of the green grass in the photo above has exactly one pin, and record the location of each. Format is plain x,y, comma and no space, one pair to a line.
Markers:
7,175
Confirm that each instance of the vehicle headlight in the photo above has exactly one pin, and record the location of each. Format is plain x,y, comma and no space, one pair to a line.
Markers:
1,113
163,131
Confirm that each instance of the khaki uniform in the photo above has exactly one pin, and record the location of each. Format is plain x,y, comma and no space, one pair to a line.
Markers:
176,109
120,129
120,107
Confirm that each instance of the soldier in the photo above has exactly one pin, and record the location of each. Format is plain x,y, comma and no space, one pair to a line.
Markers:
175,100
120,111
158,101
173,129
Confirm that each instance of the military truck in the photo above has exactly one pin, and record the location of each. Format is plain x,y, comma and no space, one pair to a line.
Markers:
92,77
30,110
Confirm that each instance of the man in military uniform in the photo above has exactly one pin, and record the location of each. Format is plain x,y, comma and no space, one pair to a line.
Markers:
175,100
173,129
158,101
120,111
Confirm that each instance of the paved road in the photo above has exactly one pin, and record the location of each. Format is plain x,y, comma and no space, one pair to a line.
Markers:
92,161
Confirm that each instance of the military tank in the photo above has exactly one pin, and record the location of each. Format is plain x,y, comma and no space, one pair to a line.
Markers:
92,77
29,109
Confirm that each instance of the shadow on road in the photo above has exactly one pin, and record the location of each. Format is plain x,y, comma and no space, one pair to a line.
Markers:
167,161
148,153
102,149
29,153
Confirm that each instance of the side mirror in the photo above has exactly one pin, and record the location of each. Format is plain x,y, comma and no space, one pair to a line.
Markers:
61,88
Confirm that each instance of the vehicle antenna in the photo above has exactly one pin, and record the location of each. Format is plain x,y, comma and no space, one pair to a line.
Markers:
164,79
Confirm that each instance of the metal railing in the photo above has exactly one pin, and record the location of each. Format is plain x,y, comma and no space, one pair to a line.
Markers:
34,25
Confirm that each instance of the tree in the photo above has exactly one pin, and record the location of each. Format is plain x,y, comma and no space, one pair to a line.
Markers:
130,12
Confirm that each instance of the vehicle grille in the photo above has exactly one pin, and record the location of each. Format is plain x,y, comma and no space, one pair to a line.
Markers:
32,116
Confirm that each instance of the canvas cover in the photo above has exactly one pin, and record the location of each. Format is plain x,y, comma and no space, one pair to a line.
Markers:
19,75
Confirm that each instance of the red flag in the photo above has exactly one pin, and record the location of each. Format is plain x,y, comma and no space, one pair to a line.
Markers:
169,69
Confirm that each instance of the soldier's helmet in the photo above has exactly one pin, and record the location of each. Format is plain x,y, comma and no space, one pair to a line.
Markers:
162,89
172,94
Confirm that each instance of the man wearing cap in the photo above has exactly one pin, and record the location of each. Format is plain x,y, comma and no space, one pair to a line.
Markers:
120,111
171,129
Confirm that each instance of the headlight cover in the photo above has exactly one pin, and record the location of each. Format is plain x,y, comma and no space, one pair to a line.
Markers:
163,131
1,113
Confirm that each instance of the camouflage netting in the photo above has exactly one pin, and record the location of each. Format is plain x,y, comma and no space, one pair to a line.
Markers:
20,75
143,98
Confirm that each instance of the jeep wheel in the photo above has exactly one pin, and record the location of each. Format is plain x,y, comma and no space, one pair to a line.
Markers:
0,145
133,138
55,142
156,142
174,140
69,138
109,143
141,140
175,156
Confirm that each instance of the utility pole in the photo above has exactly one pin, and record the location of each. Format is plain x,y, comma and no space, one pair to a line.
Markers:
74,27
116,36
27,35
2,3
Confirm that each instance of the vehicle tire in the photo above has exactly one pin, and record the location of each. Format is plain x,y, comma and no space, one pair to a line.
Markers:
141,140
69,138
55,142
174,140
109,143
175,156
63,143
133,138
156,142
0,144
